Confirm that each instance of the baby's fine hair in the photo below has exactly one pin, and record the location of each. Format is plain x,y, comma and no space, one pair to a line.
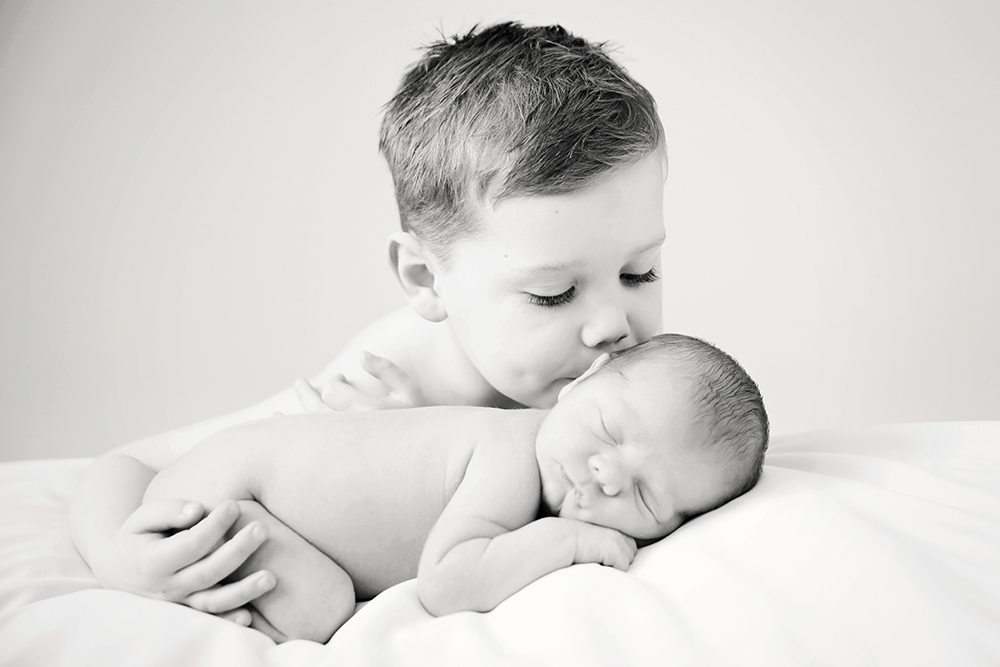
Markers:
508,110
728,408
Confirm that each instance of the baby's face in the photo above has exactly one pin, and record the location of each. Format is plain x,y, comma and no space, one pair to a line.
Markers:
551,282
615,452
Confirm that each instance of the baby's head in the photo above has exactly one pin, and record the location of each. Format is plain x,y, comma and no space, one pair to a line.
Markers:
528,168
653,436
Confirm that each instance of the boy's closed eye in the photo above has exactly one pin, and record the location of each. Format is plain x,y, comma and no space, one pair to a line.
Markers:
633,279
563,298
553,301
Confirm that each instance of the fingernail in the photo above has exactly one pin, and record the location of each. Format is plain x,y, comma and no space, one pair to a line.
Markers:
258,532
266,581
189,508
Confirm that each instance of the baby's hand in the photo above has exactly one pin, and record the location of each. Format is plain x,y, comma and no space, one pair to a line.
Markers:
607,546
169,550
396,390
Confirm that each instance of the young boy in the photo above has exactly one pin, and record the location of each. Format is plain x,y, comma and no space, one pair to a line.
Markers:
529,172
476,502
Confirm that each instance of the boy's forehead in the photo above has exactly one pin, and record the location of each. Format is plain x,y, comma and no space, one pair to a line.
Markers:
540,232
642,178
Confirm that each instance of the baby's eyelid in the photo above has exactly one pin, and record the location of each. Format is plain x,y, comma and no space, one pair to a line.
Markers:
642,497
610,436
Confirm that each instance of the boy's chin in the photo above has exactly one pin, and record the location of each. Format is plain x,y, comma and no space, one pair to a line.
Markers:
547,398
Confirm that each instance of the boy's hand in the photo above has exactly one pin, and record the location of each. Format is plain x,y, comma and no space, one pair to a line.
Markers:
169,550
607,546
396,390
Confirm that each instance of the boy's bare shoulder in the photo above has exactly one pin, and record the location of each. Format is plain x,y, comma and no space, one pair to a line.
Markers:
425,351
390,336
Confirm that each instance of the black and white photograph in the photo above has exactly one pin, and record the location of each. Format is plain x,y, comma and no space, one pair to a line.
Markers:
493,332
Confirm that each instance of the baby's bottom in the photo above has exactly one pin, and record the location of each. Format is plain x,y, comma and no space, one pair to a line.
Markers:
313,595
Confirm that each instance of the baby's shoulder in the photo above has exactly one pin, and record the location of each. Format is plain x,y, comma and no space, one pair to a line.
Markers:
505,447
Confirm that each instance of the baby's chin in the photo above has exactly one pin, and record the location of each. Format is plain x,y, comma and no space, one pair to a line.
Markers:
553,501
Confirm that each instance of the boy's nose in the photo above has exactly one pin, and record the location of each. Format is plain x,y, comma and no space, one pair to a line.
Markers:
607,326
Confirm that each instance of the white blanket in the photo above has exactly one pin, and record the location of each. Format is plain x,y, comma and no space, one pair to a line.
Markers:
874,546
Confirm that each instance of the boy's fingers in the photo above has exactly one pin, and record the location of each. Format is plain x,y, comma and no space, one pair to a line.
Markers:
163,515
222,562
309,398
237,616
341,395
258,622
393,378
188,546
377,366
231,597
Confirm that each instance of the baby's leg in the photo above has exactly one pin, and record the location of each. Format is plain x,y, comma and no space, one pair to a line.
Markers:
313,596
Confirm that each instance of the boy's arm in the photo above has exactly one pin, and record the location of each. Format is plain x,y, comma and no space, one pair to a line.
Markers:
400,361
145,550
111,489
485,546
312,595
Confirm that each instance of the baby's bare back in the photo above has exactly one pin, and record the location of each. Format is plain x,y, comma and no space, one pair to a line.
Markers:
366,488
363,487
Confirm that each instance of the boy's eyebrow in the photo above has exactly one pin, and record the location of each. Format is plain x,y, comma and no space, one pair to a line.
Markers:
556,267
651,245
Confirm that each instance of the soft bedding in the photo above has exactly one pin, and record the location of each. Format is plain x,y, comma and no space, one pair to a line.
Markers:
870,546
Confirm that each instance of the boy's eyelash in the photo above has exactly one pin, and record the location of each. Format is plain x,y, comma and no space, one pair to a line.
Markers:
552,301
630,279
650,276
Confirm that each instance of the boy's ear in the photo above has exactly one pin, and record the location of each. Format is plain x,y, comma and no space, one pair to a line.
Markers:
413,265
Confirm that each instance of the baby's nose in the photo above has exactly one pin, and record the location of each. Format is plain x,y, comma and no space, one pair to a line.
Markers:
606,474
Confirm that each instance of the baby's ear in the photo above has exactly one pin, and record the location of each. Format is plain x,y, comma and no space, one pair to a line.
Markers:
413,265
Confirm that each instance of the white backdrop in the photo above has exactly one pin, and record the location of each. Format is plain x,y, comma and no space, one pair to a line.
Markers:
193,210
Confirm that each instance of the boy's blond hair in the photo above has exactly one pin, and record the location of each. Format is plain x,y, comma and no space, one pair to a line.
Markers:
505,111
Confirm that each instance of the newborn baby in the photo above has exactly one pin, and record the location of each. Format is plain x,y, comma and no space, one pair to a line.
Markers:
477,502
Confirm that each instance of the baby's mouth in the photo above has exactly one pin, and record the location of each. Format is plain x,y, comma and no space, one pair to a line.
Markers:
574,493
569,483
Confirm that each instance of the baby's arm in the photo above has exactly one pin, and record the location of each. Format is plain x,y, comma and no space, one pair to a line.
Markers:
313,595
486,546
